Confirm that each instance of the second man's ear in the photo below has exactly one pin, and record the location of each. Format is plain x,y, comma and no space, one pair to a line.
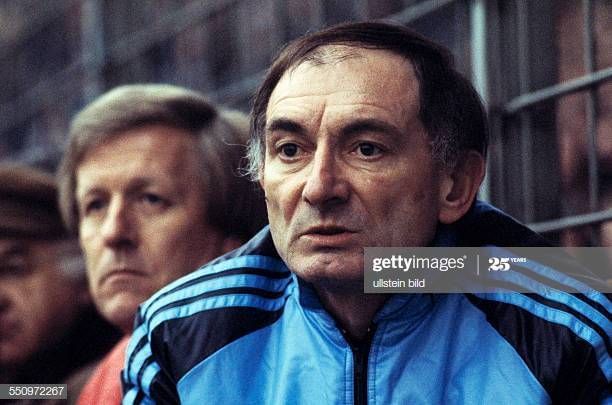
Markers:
459,186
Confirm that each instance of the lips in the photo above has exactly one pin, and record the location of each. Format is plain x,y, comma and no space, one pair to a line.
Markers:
121,273
326,230
329,236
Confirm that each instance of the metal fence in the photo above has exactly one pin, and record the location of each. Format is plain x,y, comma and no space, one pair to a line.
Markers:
60,54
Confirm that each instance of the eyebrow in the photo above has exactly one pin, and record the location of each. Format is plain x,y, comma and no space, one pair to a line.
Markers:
134,185
370,125
353,128
287,125
140,183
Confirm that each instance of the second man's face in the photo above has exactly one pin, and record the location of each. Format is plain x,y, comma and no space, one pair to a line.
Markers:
348,164
38,300
141,217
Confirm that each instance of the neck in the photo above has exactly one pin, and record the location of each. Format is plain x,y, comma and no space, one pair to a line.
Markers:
354,312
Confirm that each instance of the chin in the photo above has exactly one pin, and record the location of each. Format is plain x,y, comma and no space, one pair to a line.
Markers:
121,312
336,275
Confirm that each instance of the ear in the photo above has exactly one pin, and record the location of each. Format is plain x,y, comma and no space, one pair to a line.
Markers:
459,186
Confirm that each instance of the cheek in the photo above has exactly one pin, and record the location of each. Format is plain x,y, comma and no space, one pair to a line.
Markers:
36,306
414,201
21,298
281,201
393,189
88,240
87,229
177,251
92,259
401,204
93,276
282,198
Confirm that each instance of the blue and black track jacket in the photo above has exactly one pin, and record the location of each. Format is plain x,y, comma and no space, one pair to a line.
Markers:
245,330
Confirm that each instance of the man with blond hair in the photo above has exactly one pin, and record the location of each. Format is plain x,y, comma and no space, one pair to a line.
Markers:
150,182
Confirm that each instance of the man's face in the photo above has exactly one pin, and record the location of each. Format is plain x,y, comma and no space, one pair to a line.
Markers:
141,217
37,301
347,165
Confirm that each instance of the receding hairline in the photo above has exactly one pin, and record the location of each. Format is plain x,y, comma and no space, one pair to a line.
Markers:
184,158
107,138
334,54
449,107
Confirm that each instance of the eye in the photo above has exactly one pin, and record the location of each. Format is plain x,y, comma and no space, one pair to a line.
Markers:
368,149
289,150
94,205
152,199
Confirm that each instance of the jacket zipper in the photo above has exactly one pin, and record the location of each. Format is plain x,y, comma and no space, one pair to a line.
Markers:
361,351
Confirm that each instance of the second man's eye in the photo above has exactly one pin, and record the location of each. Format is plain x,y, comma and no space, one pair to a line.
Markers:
93,206
152,199
289,150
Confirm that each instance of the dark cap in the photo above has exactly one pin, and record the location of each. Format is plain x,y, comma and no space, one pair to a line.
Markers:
28,206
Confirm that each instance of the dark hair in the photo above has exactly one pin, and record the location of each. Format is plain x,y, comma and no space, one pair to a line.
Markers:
233,205
450,109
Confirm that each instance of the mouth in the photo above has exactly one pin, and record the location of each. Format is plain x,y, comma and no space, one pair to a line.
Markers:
121,273
329,235
327,230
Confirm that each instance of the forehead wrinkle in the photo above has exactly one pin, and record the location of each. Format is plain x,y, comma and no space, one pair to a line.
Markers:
363,111
139,183
381,95
174,160
296,112
362,106
330,54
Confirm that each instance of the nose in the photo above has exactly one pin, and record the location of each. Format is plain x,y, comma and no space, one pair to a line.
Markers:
326,184
118,229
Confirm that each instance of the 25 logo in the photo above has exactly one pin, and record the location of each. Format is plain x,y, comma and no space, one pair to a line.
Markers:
499,264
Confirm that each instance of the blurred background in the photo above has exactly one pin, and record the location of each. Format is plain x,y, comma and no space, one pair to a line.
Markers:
543,68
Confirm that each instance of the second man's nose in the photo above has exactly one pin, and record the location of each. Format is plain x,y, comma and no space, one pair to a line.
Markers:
118,227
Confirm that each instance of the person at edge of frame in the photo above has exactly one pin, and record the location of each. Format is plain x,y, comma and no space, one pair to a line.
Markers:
364,134
50,332
150,183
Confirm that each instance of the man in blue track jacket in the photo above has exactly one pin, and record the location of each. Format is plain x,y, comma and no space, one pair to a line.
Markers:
364,134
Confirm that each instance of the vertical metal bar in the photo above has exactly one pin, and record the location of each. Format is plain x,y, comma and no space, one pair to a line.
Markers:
525,116
478,41
92,48
361,9
589,65
480,71
591,124
497,96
